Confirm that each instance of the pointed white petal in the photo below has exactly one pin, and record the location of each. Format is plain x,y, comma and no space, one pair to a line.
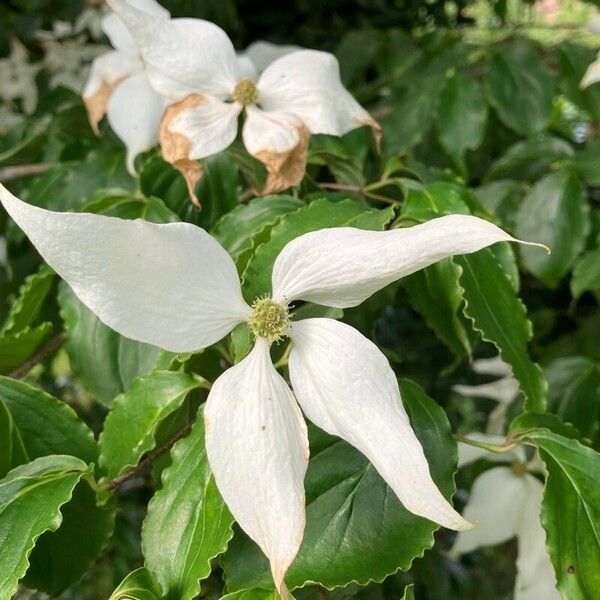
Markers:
491,366
280,141
262,53
169,285
343,266
496,501
117,32
182,56
535,574
307,83
134,112
346,386
108,70
207,124
592,75
257,447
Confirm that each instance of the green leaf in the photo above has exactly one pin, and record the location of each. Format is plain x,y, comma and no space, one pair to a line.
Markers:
435,293
60,558
16,348
520,87
571,511
356,529
31,497
409,592
574,391
462,115
127,206
105,361
253,594
555,213
586,273
187,524
218,189
530,159
235,230
30,300
492,305
41,425
317,215
138,585
586,162
130,427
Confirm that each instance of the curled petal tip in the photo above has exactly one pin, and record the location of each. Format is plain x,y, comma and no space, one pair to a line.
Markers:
536,244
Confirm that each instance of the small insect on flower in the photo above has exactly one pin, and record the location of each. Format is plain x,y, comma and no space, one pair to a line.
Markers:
174,286
194,64
118,82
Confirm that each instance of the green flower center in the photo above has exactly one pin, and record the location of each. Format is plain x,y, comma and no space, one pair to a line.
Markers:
270,319
245,92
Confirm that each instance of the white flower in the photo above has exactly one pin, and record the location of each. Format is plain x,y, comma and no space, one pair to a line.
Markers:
259,55
18,75
503,390
193,63
506,502
174,286
118,87
592,75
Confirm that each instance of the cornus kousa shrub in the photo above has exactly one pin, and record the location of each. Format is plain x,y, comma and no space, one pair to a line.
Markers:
311,320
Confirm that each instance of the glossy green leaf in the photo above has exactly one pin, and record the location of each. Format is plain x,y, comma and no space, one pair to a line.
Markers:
409,592
586,273
138,585
130,427
491,303
105,361
574,391
187,524
29,301
435,293
520,87
462,115
253,594
554,213
356,528
570,511
530,159
40,425
16,348
127,206
236,229
31,497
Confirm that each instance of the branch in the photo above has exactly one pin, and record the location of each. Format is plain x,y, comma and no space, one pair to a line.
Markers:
42,354
156,453
8,173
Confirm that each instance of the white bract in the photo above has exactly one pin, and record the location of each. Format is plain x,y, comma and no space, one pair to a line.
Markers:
506,502
592,74
503,390
174,286
118,87
194,64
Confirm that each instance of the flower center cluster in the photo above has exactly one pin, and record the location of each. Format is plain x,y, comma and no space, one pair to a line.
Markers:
269,320
245,92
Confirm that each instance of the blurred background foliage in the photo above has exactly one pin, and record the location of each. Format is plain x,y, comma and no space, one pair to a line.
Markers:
480,105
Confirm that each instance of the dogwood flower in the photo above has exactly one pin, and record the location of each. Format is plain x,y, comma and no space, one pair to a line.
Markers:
504,390
506,501
174,286
193,63
118,87
260,54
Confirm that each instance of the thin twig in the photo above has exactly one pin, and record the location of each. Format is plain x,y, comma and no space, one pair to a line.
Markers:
8,173
121,479
42,354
